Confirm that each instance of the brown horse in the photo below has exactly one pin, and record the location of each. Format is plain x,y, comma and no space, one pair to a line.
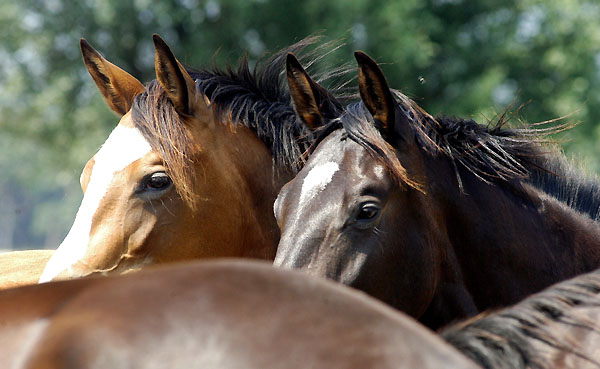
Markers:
191,171
211,314
440,218
247,314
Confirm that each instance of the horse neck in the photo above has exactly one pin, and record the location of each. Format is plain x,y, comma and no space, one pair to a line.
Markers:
259,179
509,240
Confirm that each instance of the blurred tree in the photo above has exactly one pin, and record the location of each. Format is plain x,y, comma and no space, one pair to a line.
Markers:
459,57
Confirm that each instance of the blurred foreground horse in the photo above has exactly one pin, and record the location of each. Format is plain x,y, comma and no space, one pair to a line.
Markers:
247,314
440,218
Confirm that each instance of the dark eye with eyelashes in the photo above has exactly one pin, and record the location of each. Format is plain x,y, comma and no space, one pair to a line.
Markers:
158,181
366,213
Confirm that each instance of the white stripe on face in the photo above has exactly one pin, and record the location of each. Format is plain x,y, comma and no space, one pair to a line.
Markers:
123,147
317,179
378,170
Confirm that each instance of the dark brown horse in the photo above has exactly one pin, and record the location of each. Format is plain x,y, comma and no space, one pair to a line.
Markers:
191,171
556,328
211,314
440,218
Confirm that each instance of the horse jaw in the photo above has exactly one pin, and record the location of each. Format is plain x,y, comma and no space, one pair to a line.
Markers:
124,146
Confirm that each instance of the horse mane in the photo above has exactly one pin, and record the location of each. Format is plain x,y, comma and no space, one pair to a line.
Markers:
492,152
256,98
506,338
568,184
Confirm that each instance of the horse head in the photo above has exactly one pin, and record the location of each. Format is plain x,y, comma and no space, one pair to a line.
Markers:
356,212
171,182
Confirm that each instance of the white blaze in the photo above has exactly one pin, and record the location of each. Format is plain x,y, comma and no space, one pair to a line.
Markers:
378,170
317,179
123,147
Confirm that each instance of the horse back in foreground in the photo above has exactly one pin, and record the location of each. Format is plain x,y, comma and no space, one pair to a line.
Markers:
211,314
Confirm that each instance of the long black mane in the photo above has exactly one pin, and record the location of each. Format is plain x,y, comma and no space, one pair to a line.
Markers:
259,98
493,153
512,337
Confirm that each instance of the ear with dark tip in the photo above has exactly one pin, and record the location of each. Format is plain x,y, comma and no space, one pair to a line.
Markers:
312,103
118,88
374,92
173,78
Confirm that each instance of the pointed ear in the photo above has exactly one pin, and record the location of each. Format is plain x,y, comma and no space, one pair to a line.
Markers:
312,103
173,78
374,92
118,88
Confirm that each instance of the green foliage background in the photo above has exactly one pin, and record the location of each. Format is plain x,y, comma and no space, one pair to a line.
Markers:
457,57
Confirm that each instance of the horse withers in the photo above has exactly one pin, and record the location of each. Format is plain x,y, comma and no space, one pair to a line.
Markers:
191,170
440,218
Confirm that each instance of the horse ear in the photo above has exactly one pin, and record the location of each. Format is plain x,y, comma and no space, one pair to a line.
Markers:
312,103
374,92
118,88
173,78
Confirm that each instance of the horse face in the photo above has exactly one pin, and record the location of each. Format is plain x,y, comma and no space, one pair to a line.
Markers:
132,213
137,209
343,217
357,212
126,189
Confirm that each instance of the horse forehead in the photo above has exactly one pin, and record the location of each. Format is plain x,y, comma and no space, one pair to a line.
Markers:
379,171
317,179
323,164
125,145
352,158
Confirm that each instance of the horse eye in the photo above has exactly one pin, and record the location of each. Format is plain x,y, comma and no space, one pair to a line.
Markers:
157,181
367,212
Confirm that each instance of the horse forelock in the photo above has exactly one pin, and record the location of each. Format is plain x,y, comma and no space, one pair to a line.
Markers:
359,125
155,117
